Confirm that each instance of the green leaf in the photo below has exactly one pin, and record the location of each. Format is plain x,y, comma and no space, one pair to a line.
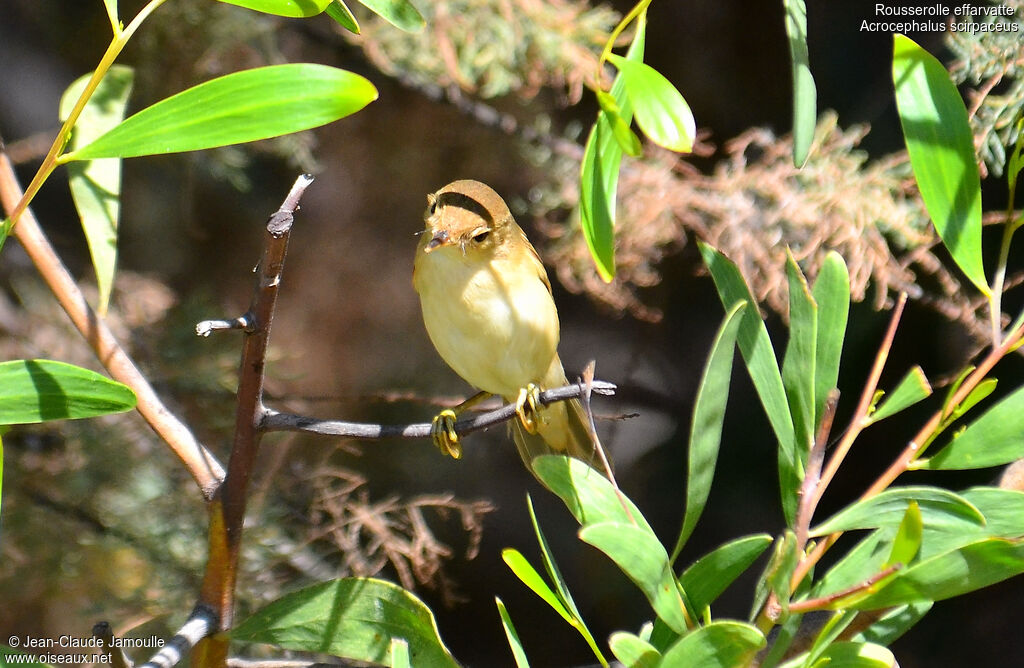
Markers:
240,107
978,394
712,574
343,16
941,149
913,388
950,574
513,637
894,623
1,470
627,139
994,439
399,13
832,294
96,184
763,367
529,576
588,495
716,645
561,589
633,651
111,7
599,171
706,427
855,655
1003,510
39,390
829,633
643,559
805,95
939,508
290,8
660,110
354,618
798,364
907,543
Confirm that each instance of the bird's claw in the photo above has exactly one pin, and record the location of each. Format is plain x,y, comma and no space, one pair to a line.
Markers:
442,432
528,407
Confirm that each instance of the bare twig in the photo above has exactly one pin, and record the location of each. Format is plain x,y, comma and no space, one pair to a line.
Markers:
200,462
466,424
207,327
815,459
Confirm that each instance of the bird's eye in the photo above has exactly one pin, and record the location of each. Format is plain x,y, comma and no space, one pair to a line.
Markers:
481,237
431,204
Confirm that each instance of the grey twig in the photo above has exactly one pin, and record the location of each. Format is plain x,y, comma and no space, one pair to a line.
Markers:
207,327
275,421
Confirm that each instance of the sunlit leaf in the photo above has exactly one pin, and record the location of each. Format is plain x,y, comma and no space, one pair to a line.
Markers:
633,651
798,364
805,95
399,13
291,8
39,390
831,292
710,575
529,576
400,653
913,388
96,184
354,618
660,110
716,645
941,149
980,392
588,495
855,655
907,543
643,559
894,623
939,507
994,439
627,139
708,418
343,16
240,107
512,635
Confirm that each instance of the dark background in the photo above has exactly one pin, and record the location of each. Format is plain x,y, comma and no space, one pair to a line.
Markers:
349,322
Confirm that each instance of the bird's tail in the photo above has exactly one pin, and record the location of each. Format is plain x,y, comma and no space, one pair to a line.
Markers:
562,427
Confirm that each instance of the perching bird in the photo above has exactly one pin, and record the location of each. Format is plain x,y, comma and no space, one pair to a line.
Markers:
488,309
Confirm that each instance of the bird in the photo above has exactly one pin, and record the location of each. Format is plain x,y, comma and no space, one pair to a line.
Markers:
489,311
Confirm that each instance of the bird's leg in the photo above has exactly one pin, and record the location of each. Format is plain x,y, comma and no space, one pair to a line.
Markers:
442,427
528,407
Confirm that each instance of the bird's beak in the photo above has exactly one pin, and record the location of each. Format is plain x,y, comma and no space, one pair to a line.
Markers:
439,239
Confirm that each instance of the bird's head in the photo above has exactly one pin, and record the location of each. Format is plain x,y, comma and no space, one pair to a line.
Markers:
467,215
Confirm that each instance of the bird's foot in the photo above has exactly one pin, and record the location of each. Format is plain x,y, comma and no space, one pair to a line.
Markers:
528,407
442,433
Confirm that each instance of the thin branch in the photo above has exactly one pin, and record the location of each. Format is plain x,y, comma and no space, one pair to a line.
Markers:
200,624
812,478
200,462
809,604
207,327
466,424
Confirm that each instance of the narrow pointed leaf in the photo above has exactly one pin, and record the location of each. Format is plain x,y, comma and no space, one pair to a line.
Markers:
708,418
913,388
994,439
561,589
599,171
290,8
343,16
832,294
939,507
39,390
354,618
512,635
660,110
627,139
805,95
975,396
529,576
643,559
633,651
941,149
240,107
96,184
399,13
712,574
907,543
890,626
798,365
587,494
759,356
716,645
950,574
